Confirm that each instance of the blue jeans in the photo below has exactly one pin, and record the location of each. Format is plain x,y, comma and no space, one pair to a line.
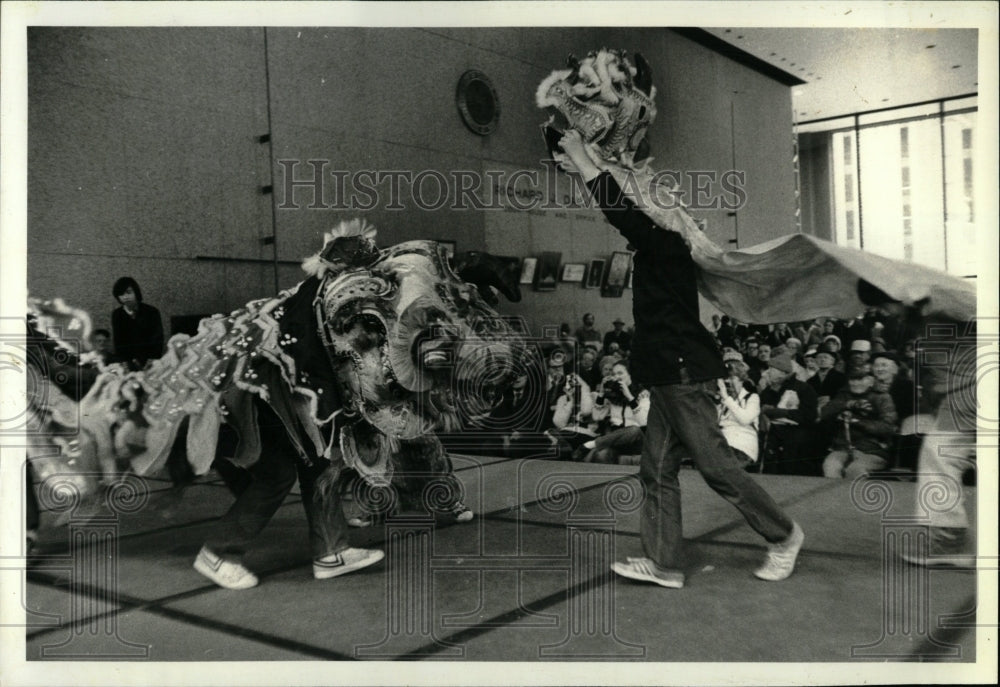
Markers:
683,422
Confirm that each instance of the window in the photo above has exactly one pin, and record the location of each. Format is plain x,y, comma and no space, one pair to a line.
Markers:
903,185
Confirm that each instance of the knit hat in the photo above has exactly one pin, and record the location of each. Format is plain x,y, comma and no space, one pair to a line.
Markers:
833,337
811,351
782,362
730,354
861,346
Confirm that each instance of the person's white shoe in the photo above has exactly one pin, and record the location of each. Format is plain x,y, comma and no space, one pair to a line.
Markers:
343,562
645,570
224,573
780,561
461,512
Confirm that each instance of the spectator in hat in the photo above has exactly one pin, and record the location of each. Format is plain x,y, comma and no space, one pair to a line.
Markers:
865,423
888,381
827,381
794,347
619,336
739,409
809,365
831,342
790,407
860,353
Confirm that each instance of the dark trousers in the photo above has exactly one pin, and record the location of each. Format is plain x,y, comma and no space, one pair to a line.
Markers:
790,450
683,422
273,477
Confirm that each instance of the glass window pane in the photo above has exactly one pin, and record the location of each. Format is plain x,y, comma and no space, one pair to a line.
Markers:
883,152
959,168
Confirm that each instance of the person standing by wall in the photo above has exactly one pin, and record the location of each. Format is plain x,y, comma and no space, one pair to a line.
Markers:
136,326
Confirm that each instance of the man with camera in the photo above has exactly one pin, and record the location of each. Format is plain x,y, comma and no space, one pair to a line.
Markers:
866,422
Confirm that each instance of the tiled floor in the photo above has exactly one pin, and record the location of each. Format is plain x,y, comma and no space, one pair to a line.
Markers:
527,580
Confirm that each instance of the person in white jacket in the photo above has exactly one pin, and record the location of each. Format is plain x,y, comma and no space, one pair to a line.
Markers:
739,409
620,409
572,422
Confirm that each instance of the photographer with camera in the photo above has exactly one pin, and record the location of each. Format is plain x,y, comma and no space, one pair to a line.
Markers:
620,410
571,420
739,409
866,422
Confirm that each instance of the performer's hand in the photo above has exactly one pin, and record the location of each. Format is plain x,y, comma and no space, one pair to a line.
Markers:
576,149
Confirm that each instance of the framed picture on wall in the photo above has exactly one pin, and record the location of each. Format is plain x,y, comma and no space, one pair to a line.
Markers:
617,275
595,273
547,274
574,272
528,270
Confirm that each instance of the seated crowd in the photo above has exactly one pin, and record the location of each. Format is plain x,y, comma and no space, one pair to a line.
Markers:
827,397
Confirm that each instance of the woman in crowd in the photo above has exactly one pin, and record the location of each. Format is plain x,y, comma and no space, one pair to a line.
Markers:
620,410
739,409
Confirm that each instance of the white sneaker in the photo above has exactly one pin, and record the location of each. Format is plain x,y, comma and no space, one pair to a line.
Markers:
780,561
345,561
645,570
360,521
461,512
224,573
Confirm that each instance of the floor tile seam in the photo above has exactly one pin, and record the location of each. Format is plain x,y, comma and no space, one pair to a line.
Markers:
127,602
184,525
698,538
570,593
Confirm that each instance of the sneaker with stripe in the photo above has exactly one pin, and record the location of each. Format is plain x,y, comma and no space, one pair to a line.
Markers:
780,561
343,562
224,573
645,570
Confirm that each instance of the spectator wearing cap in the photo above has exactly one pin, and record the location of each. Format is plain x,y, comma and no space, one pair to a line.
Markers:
619,336
739,409
828,380
865,423
790,408
888,381
809,365
860,353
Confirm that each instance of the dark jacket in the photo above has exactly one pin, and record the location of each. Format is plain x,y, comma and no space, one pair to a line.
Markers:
670,344
830,385
803,416
874,421
138,338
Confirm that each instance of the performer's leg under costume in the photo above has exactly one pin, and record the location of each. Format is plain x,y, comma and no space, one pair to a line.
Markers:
683,421
946,453
274,475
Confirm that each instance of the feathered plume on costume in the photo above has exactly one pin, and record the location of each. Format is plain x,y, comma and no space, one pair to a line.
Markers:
350,244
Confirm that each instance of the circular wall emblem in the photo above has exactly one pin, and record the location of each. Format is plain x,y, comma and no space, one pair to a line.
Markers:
478,102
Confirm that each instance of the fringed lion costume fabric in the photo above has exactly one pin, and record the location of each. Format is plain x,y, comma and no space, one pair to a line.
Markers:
365,353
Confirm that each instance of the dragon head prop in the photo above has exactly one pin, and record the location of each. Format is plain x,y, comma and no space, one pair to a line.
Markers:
604,97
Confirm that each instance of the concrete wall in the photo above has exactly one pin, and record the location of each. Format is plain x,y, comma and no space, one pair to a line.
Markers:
817,191
145,153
